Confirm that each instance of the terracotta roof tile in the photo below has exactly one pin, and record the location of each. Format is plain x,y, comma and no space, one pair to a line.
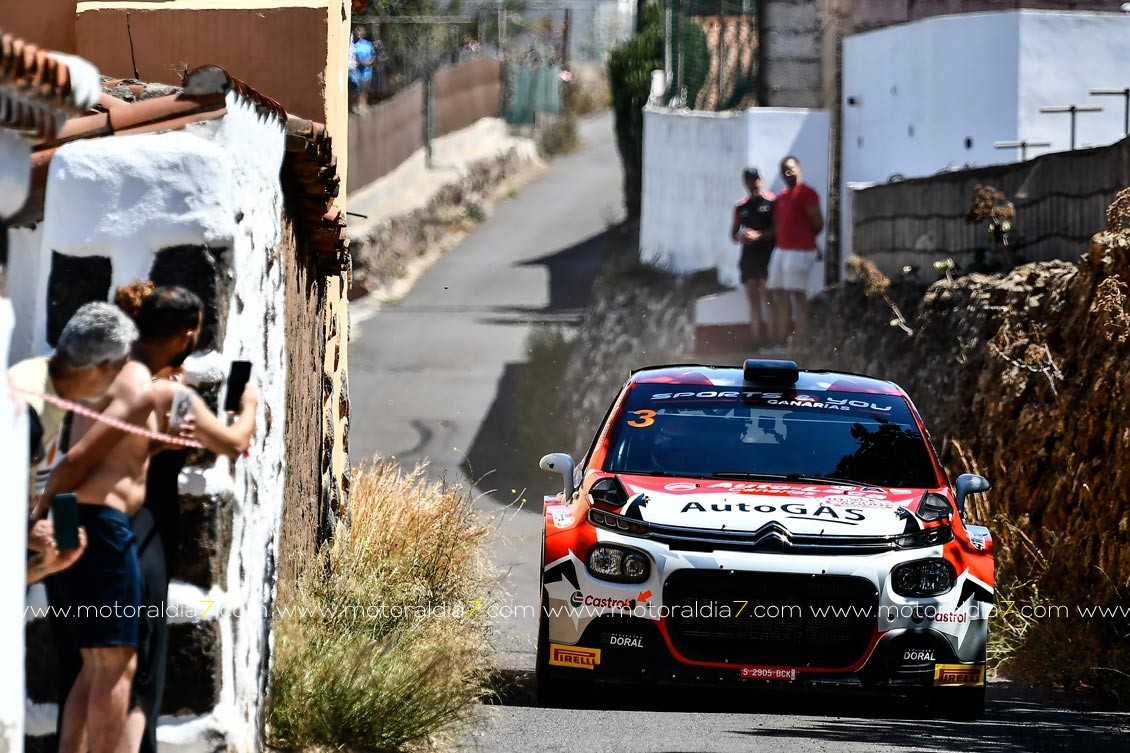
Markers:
37,91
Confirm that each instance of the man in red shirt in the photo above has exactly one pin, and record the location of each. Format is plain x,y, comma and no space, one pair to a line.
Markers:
798,221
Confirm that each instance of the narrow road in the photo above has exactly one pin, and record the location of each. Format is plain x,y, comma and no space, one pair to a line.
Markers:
433,378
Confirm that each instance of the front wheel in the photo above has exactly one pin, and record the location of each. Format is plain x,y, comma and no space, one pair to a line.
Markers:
553,691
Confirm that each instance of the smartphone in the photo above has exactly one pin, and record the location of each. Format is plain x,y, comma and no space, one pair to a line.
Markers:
64,515
182,407
237,380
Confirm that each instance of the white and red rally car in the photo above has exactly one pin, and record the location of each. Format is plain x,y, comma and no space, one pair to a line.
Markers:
763,525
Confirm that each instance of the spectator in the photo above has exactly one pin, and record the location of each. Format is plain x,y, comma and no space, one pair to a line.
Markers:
169,320
105,467
799,221
91,351
752,227
362,55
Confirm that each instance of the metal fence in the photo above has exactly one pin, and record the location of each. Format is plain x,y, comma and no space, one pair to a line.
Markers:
1060,201
711,53
531,90
383,136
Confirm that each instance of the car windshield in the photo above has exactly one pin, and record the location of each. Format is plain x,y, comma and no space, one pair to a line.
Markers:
680,430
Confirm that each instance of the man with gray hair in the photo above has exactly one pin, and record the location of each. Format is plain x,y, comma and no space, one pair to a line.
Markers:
97,599
92,349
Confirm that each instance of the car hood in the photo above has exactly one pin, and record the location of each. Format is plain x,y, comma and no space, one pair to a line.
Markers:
801,508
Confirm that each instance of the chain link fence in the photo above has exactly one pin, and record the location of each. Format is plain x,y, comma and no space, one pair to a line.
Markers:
711,53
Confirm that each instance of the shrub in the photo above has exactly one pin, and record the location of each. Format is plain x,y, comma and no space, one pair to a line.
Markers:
383,645
557,135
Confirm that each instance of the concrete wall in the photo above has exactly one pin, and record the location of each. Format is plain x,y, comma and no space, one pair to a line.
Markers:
279,48
964,82
1062,57
980,77
13,477
792,54
47,23
692,163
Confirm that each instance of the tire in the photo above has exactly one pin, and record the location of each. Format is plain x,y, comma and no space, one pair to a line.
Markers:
962,704
554,692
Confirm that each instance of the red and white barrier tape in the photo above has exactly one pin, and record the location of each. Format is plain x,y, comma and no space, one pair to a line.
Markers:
129,428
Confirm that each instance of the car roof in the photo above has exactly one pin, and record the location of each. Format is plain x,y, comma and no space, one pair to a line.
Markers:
810,380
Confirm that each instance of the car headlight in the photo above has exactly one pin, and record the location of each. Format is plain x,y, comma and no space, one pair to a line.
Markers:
617,563
934,506
925,537
931,577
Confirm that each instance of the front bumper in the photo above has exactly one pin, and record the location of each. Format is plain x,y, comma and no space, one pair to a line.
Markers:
886,642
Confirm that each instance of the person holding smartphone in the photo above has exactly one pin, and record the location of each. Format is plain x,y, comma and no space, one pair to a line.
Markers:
169,320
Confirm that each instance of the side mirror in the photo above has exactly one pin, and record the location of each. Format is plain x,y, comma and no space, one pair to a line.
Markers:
969,483
559,462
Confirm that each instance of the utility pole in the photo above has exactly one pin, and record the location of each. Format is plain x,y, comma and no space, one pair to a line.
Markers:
1125,94
721,51
1021,145
501,29
565,38
1073,110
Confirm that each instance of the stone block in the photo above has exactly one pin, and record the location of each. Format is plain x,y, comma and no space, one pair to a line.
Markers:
195,673
205,541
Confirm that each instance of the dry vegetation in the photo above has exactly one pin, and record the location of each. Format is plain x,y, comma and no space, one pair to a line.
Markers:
1023,377
383,645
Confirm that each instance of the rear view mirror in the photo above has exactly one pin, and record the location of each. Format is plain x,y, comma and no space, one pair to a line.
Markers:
969,483
559,462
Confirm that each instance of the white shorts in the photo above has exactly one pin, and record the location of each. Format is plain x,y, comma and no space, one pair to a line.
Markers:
790,269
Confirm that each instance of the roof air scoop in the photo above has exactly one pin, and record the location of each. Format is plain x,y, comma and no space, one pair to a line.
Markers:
770,372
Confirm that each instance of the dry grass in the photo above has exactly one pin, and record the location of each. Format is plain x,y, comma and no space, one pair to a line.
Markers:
384,643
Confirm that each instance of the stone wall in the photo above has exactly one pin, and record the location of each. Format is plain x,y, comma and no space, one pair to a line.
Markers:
1021,377
303,516
638,317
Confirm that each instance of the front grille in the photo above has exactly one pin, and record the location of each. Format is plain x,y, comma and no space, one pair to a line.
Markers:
787,619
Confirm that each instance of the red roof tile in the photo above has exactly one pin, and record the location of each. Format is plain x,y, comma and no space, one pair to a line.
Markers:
35,88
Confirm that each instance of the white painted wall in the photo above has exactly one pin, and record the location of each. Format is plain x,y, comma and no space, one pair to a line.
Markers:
692,165
214,183
1062,57
13,544
924,87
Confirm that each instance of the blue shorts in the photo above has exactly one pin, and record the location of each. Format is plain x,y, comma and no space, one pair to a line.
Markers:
99,597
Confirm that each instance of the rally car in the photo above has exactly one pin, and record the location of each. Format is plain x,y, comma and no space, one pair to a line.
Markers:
763,526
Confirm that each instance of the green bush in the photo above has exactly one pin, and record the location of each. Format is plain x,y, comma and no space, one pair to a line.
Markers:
629,76
383,645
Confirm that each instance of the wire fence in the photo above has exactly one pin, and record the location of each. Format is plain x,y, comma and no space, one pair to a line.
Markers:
410,41
711,53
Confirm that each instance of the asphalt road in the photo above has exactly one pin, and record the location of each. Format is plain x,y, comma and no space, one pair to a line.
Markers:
433,378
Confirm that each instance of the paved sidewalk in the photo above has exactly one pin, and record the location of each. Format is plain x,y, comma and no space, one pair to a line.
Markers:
412,186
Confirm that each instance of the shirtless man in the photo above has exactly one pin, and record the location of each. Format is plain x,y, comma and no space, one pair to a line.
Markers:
106,469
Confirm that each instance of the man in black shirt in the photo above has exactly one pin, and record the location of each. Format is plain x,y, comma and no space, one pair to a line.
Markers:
753,228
